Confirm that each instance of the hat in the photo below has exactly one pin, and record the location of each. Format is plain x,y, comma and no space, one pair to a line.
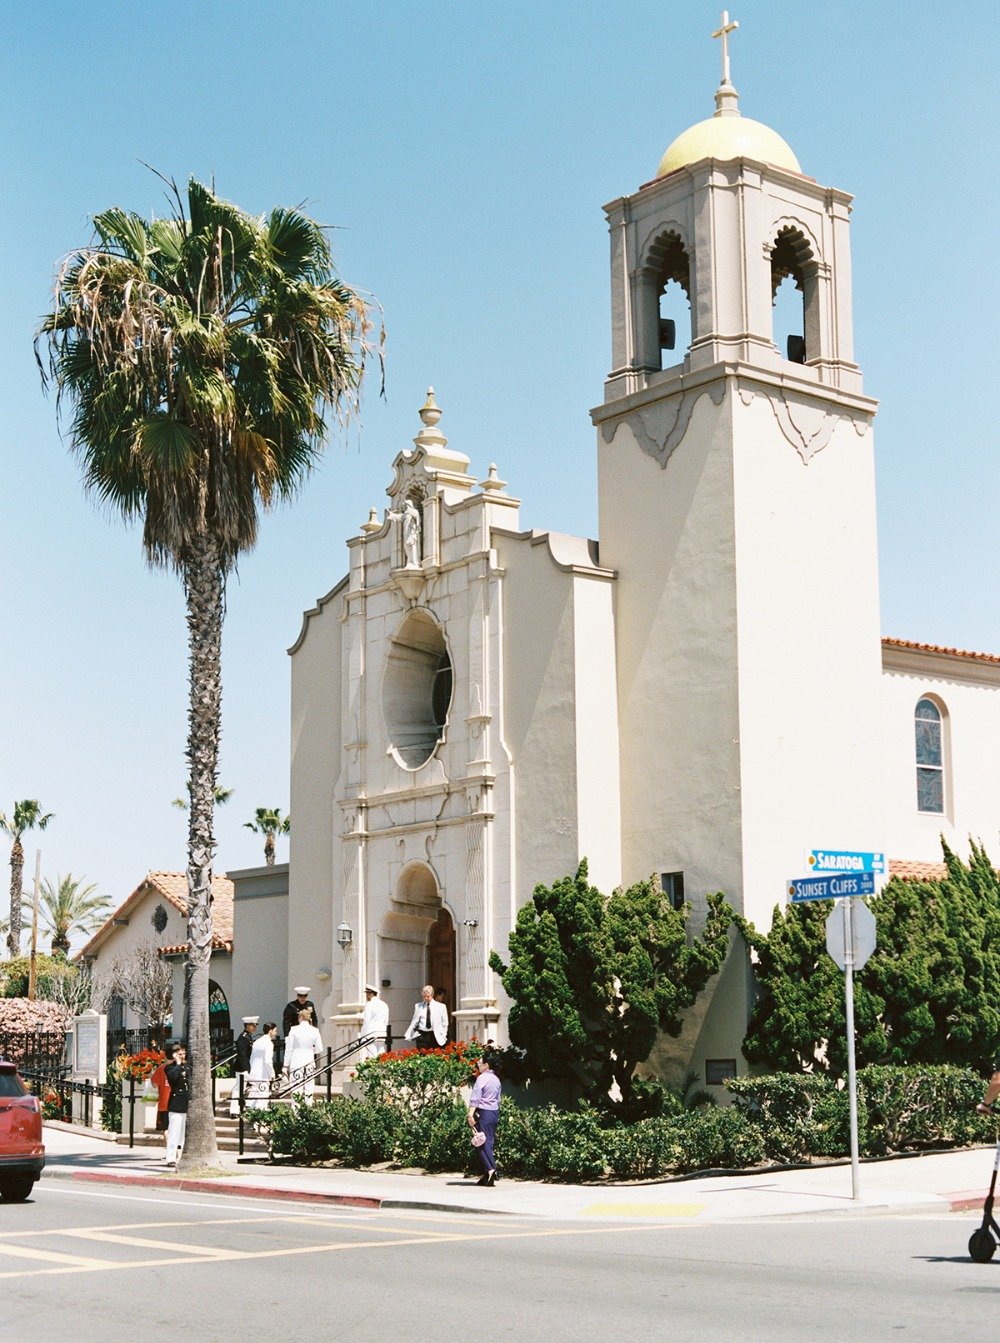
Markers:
370,988
250,1021
301,988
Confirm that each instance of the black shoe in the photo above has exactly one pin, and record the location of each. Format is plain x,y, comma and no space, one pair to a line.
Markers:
491,1179
483,1179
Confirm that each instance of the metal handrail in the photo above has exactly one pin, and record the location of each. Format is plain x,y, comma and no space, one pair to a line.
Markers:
222,1063
309,1077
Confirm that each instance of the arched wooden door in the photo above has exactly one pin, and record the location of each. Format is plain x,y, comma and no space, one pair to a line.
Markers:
441,963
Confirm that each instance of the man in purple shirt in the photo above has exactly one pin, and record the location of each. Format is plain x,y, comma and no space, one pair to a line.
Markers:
484,1111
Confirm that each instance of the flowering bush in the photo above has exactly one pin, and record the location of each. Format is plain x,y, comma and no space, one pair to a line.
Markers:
140,1065
52,1107
415,1078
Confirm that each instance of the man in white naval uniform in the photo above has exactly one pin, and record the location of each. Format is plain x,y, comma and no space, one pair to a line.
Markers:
374,1023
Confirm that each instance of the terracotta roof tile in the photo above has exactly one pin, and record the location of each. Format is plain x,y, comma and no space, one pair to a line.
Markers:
179,948
992,658
172,887
911,869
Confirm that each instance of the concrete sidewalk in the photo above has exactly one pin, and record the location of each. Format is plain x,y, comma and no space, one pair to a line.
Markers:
954,1181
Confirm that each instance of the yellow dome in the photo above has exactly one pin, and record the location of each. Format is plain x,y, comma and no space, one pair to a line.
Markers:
728,137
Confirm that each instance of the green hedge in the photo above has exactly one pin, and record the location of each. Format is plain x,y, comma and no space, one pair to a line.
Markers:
781,1119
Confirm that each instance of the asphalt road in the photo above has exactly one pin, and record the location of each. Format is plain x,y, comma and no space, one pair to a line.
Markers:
97,1265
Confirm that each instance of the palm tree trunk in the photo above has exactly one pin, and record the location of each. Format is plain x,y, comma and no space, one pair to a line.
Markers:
204,590
16,877
269,849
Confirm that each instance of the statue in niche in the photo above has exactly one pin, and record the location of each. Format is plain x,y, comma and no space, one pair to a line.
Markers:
409,518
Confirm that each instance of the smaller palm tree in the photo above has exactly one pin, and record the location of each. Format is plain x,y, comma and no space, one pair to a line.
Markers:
27,815
268,821
69,907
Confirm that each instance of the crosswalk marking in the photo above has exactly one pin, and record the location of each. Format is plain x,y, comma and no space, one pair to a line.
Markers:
193,1254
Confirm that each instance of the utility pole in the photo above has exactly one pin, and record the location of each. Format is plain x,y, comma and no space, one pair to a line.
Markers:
34,926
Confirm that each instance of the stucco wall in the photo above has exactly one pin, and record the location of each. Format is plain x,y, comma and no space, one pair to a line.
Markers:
315,765
669,534
123,939
260,983
809,648
540,718
971,702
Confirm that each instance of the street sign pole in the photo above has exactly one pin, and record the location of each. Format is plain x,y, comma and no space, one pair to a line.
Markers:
852,1084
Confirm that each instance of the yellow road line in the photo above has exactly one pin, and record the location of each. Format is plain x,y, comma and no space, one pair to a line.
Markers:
110,1266
146,1243
74,1262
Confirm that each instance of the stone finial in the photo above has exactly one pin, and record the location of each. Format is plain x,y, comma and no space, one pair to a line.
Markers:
373,524
430,412
492,484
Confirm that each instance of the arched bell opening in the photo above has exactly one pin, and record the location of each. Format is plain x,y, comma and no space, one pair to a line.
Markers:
795,318
670,268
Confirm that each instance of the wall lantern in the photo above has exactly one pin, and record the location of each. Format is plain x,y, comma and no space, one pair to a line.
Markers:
345,936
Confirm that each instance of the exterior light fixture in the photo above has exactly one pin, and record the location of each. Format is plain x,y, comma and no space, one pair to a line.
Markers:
470,923
345,935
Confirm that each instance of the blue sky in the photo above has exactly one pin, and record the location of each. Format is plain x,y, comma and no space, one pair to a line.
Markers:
462,153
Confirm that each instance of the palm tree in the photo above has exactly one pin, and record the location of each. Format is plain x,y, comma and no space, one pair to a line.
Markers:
221,795
268,821
69,907
27,815
200,355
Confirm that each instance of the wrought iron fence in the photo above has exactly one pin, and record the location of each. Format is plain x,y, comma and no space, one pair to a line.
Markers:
72,1102
41,1050
138,1038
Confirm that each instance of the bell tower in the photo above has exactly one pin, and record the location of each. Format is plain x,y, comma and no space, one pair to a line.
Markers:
737,506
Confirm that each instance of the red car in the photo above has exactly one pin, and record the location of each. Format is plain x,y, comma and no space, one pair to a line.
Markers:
22,1153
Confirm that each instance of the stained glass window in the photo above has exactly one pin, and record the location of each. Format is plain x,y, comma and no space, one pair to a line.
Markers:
930,757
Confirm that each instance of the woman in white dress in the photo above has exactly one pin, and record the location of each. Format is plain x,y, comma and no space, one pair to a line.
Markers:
262,1067
302,1043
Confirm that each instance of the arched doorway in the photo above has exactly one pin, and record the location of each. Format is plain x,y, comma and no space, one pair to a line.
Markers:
416,945
441,963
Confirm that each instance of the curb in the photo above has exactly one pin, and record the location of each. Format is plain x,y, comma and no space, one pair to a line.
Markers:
231,1189
965,1202
221,1187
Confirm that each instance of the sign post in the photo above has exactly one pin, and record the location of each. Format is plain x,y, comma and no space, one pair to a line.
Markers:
852,1080
842,875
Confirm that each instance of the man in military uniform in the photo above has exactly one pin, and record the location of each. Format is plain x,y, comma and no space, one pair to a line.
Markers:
241,1068
290,1018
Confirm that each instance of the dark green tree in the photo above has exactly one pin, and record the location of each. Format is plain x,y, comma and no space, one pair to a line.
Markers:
593,979
926,995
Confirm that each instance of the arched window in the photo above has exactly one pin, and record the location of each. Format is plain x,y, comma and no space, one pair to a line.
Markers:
928,727
417,688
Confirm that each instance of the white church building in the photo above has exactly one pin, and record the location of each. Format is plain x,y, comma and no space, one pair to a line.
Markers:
701,693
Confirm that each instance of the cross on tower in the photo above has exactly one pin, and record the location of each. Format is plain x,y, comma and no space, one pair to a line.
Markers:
724,32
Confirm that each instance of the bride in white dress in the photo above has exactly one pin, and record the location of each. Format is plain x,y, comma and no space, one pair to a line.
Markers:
302,1043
